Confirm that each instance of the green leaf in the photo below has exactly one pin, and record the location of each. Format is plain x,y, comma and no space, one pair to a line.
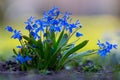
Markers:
26,38
68,46
31,40
39,48
71,51
81,55
63,40
53,58
57,52
53,38
15,52
48,51
59,38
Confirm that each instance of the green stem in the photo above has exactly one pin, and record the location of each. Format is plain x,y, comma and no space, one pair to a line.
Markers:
73,33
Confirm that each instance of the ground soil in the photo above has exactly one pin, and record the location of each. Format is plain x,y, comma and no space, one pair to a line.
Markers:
10,70
62,75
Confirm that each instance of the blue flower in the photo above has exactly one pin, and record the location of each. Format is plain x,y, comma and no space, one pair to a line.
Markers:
102,52
101,45
34,46
77,22
20,59
55,29
78,34
64,23
39,22
30,20
71,27
27,58
17,35
28,27
39,29
35,25
9,28
115,46
35,35
30,24
105,48
19,46
45,34
55,22
54,11
67,15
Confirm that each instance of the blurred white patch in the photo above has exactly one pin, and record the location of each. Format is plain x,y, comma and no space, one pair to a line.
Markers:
68,67
113,37
19,9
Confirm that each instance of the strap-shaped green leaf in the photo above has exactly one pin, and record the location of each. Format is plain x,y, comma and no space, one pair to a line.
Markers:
14,51
81,55
63,40
68,46
59,38
53,38
48,51
71,51
40,48
29,39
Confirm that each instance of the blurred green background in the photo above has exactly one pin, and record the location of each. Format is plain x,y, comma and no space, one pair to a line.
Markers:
100,19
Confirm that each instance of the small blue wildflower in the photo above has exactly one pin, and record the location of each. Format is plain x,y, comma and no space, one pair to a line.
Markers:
34,46
19,46
54,11
55,29
45,34
39,29
28,27
35,25
77,22
67,15
20,59
103,52
55,22
35,35
9,28
78,34
30,23
105,48
17,35
27,58
101,45
47,17
71,27
115,46
30,20
39,22
64,23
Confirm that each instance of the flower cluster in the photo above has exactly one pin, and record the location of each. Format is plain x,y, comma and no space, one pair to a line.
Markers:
46,45
41,47
51,21
105,48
